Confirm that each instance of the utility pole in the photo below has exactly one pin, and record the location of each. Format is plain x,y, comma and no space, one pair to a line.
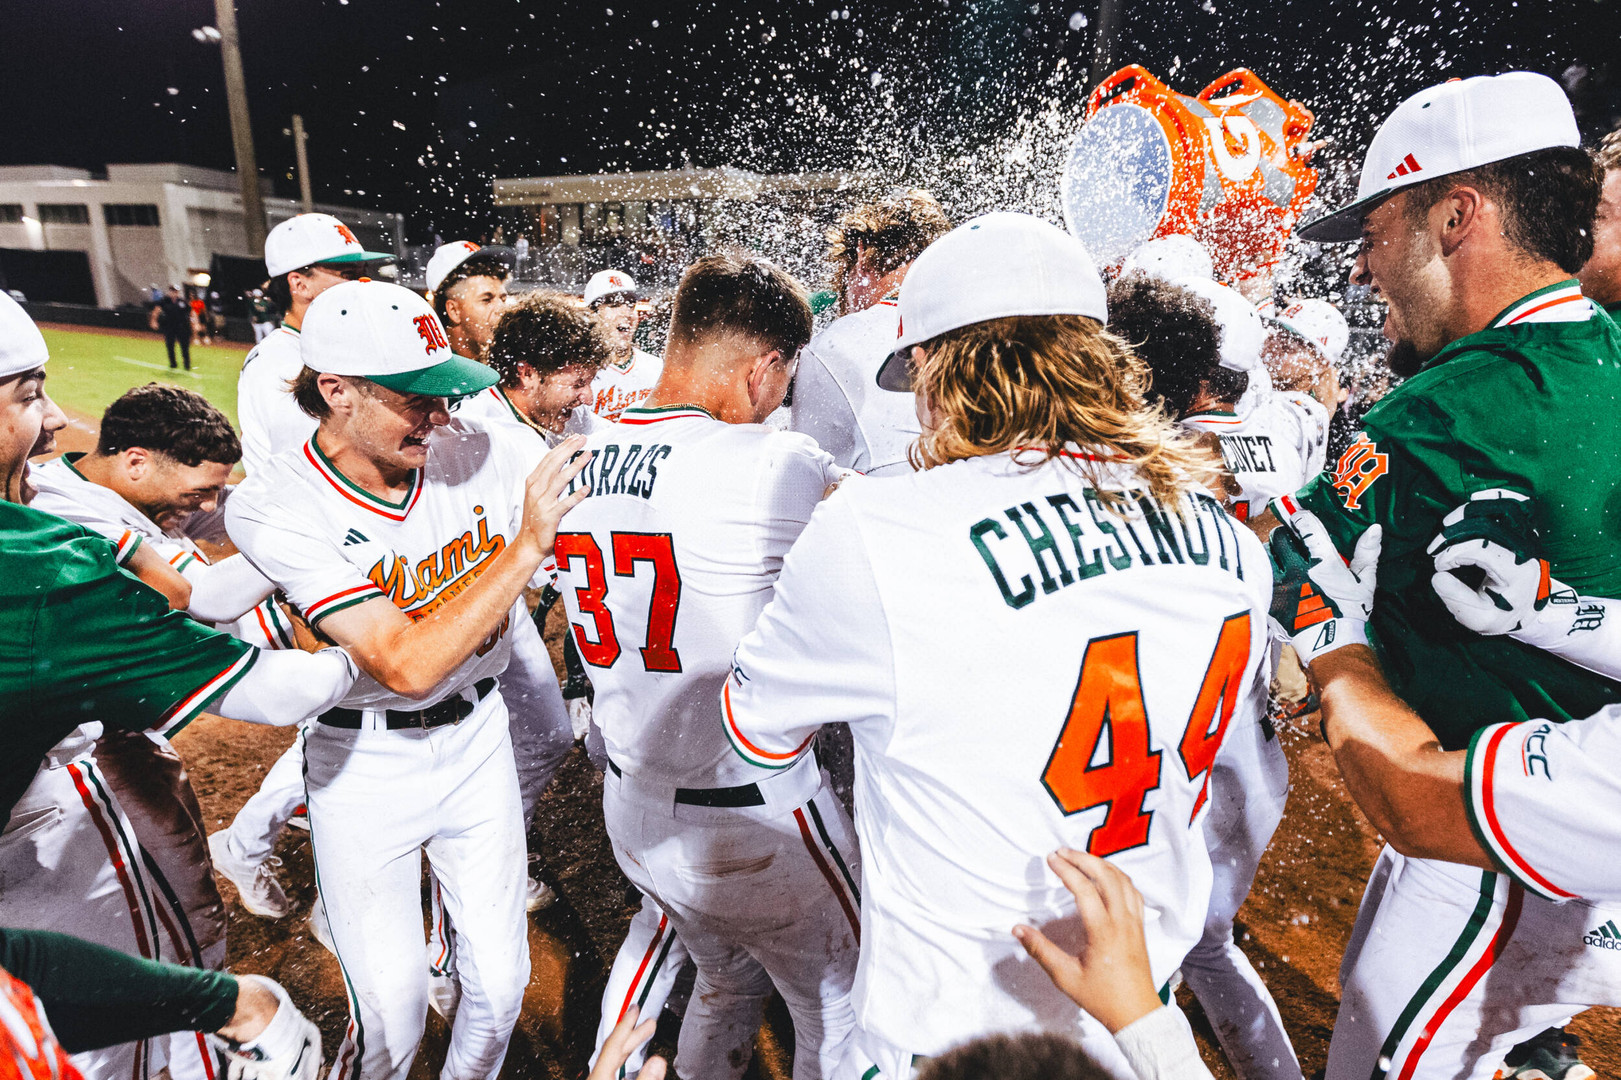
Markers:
1103,46
236,96
306,200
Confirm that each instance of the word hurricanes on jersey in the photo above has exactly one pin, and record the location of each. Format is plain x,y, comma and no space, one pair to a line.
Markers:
623,470
1142,532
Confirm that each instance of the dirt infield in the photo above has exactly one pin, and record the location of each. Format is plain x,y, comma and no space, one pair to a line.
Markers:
1293,928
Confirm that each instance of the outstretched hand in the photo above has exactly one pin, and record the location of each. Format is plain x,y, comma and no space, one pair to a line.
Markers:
626,1036
1110,977
544,500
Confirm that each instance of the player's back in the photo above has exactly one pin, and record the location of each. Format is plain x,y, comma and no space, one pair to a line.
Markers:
665,568
1059,677
837,399
270,419
1272,449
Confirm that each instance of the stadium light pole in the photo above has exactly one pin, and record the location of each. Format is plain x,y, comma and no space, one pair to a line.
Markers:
236,97
1103,45
301,155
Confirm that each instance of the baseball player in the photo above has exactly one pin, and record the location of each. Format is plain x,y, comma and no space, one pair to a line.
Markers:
1474,208
468,287
305,255
94,646
1120,608
694,504
1304,344
409,537
835,400
630,375
1174,330
1601,275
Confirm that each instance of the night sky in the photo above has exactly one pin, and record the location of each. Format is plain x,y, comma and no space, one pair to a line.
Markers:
413,105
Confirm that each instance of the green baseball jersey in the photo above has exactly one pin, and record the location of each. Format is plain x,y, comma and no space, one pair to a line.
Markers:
82,640
1531,403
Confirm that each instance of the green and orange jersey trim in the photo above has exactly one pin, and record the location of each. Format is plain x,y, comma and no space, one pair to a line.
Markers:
393,511
1479,773
1548,302
642,414
754,755
187,708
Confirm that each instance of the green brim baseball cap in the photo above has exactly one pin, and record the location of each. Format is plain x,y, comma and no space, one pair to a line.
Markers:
358,257
456,377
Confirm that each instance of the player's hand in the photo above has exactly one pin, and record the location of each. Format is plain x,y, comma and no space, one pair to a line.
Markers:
268,1038
1110,976
1318,602
546,494
626,1036
1491,541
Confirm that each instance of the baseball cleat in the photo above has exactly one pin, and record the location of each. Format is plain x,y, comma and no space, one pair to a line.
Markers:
320,929
538,895
1552,1055
300,818
444,995
256,883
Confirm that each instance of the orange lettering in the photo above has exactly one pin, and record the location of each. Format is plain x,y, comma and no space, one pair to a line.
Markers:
1357,469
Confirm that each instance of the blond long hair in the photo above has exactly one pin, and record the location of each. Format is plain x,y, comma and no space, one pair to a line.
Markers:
1050,383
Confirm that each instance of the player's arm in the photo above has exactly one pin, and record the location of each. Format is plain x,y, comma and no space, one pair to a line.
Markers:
411,658
821,409
1410,789
819,653
1490,540
225,591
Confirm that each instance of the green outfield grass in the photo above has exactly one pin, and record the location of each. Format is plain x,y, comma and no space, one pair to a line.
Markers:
89,370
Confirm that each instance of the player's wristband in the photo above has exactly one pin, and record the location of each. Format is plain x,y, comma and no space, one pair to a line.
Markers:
1327,636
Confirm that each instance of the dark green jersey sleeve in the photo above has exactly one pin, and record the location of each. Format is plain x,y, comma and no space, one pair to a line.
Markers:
107,647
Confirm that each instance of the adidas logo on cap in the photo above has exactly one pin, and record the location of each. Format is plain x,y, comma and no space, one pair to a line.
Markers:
1406,167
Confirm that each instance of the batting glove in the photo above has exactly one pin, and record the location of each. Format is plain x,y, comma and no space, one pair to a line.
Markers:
1491,541
1319,604
289,1048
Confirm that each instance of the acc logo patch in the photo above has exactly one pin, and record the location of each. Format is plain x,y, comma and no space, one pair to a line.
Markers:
1357,469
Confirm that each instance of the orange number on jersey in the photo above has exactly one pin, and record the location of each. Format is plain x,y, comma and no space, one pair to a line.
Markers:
1102,757
1220,688
1108,725
631,548
605,650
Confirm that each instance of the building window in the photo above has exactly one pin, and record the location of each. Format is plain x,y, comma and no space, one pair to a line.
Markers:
11,213
130,214
64,213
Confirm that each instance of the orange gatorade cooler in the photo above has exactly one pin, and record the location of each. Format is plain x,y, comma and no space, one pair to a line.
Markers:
1224,166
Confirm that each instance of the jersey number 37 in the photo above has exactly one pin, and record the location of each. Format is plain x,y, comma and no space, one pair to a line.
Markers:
1102,757
627,549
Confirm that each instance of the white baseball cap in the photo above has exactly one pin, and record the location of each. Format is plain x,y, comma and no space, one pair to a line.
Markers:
313,238
22,346
1320,323
1175,255
388,334
449,256
1241,331
992,267
606,283
1461,124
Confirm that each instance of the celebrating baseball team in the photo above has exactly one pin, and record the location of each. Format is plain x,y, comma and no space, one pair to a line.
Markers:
934,657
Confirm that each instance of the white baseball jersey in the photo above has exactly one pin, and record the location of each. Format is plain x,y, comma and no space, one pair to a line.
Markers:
618,388
837,399
1272,449
1021,670
330,545
63,491
667,565
270,419
492,408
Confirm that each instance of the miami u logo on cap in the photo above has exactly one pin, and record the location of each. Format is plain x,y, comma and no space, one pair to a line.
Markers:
428,330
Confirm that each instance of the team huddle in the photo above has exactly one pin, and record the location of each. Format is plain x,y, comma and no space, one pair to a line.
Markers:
933,658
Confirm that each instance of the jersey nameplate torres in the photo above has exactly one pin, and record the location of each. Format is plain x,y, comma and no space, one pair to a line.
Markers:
623,469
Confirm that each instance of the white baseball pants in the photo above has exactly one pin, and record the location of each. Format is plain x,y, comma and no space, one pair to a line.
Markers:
1449,967
761,896
379,798
643,974
1249,785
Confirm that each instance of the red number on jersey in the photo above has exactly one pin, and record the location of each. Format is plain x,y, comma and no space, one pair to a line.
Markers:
605,650
1107,721
657,548
1220,688
1108,724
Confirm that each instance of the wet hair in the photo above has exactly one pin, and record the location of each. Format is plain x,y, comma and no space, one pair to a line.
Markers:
1175,332
890,233
1047,384
1608,154
472,268
741,295
1548,200
549,331
1014,1057
168,420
